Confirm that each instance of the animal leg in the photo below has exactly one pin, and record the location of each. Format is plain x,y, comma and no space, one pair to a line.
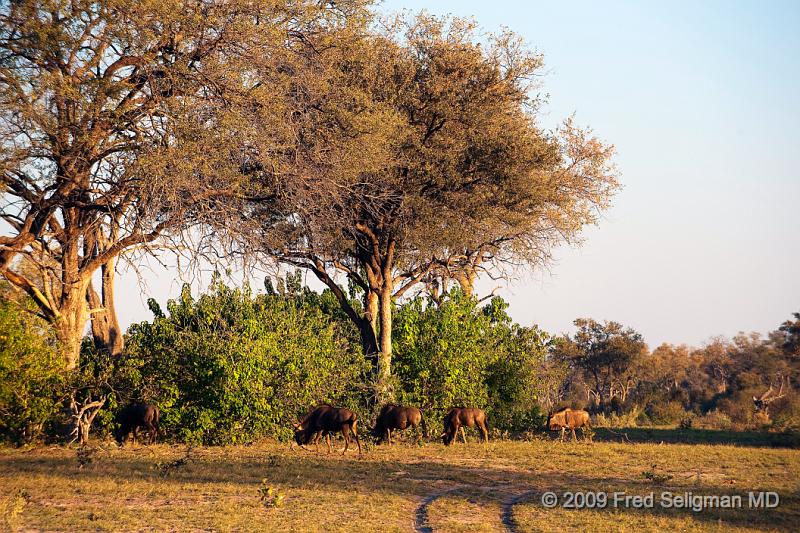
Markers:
463,434
152,430
135,428
485,432
346,435
355,434
561,439
574,436
328,440
389,436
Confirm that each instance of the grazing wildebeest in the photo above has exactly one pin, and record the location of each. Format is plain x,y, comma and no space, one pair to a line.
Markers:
325,420
397,417
307,421
132,417
569,419
458,417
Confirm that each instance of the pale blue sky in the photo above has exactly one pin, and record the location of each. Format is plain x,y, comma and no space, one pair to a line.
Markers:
701,100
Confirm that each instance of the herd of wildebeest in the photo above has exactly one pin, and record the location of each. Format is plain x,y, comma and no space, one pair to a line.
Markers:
324,420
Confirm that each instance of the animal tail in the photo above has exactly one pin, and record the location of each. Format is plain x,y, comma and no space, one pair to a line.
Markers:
157,423
423,424
353,423
354,429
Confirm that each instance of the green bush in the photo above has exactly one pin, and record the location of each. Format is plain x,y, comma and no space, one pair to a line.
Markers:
665,413
457,354
739,408
786,413
624,420
712,420
31,374
230,368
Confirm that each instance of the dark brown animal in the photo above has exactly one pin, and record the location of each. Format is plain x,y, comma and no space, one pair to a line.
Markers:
569,419
132,417
458,417
304,424
397,417
325,420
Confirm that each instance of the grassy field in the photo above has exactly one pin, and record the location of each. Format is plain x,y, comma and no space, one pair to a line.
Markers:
473,487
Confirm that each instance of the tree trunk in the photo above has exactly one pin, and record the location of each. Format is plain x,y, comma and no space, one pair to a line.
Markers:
369,341
385,356
67,313
466,280
372,316
371,308
106,331
82,417
71,323
365,324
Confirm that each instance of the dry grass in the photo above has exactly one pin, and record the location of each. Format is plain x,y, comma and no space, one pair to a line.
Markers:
462,488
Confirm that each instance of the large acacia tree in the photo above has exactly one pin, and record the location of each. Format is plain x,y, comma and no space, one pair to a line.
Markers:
122,123
422,155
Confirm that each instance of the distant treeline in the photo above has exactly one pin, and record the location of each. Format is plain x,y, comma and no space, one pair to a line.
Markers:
231,366
748,382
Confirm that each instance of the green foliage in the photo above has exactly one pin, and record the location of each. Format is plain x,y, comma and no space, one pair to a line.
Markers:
270,497
231,367
665,413
787,414
603,356
30,374
614,420
458,354
790,331
11,507
228,367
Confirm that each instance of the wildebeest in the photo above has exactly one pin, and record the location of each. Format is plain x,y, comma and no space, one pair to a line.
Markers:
569,419
458,417
397,417
324,420
132,417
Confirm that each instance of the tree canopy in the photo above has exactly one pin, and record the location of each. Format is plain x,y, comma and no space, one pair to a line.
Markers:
437,168
122,122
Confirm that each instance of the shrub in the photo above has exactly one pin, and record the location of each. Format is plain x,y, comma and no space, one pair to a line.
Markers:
739,408
456,354
31,374
623,420
643,420
230,368
715,419
786,413
665,413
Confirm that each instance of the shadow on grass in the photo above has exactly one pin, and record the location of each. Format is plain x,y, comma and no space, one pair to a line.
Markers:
699,436
415,477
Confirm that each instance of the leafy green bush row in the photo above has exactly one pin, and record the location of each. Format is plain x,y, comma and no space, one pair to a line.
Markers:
228,367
